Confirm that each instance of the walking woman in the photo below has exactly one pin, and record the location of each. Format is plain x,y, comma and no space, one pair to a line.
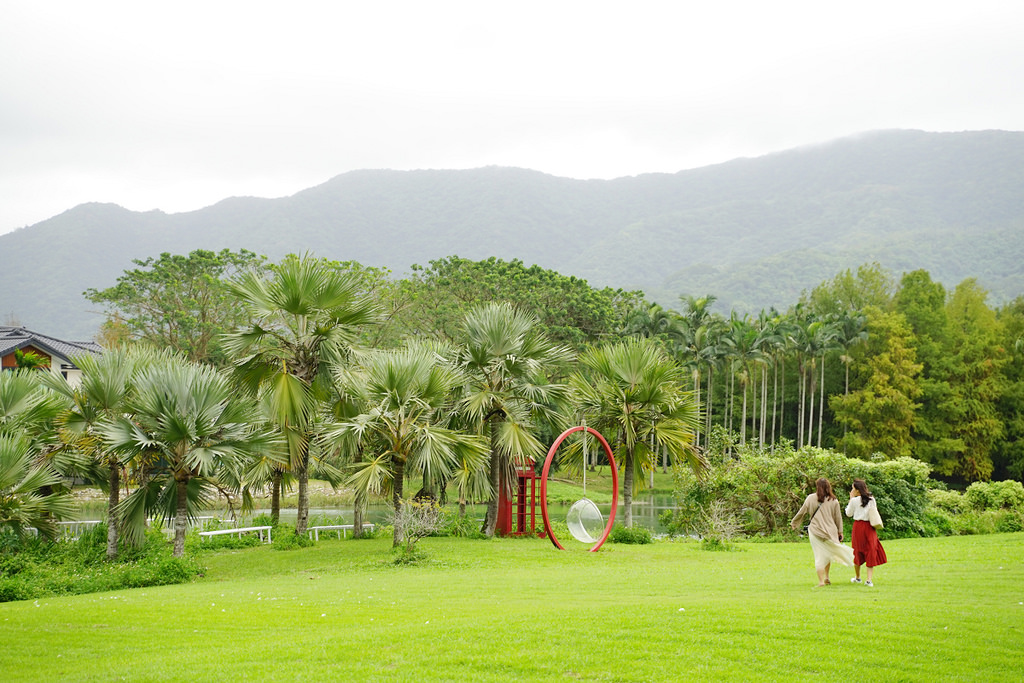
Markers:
825,530
866,548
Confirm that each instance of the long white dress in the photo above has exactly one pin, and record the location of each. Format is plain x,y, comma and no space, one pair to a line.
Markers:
827,551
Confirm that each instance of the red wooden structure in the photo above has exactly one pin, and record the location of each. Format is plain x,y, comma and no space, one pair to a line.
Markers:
518,517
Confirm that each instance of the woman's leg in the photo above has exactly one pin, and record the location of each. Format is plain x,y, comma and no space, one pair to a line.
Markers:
821,576
871,572
856,570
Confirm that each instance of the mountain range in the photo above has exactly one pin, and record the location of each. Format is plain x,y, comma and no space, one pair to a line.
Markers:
754,232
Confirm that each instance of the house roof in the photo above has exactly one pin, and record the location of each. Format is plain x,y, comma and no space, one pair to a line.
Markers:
12,338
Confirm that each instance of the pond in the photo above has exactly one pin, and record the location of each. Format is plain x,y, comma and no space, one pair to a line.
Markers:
647,510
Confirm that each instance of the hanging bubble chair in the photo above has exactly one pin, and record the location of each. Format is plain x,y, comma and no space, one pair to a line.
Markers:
586,523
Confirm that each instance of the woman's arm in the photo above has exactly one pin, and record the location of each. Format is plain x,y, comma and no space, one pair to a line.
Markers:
795,524
838,517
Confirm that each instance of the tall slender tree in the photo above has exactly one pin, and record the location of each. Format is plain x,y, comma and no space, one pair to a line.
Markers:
406,402
184,423
635,392
306,317
509,392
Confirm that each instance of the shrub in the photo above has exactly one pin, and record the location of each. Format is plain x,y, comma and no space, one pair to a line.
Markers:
287,539
949,501
636,535
461,526
762,487
995,495
41,568
937,522
1009,521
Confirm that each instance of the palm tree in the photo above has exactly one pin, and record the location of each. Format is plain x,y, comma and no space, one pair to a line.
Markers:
770,341
28,407
818,343
744,337
507,360
405,397
305,317
184,423
634,390
24,480
99,398
654,322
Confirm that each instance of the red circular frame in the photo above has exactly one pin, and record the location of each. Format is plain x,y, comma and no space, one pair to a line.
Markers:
544,486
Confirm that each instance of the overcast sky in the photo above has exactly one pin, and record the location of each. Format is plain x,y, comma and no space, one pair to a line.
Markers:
174,106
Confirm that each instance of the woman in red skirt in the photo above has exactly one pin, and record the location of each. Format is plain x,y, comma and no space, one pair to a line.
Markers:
866,548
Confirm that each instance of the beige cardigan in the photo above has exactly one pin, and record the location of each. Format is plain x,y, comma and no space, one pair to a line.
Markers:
827,523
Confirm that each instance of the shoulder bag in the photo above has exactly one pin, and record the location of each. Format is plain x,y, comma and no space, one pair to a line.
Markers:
806,527
874,518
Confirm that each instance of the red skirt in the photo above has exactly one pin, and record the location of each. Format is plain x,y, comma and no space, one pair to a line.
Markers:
866,548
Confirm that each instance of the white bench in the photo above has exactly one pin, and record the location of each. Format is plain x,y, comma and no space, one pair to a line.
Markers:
74,529
239,531
342,529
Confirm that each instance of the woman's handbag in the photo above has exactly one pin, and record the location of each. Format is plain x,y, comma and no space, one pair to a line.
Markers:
874,518
805,530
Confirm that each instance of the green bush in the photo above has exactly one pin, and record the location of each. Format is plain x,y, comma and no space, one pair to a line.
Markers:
762,487
716,544
636,535
464,526
1009,521
995,495
937,522
949,501
285,538
41,568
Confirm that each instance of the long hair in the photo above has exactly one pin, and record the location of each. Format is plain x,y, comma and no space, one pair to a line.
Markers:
824,490
862,488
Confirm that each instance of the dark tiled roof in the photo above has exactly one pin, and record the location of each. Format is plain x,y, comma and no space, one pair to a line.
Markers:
12,338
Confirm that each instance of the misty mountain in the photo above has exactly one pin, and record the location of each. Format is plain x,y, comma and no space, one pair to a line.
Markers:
754,232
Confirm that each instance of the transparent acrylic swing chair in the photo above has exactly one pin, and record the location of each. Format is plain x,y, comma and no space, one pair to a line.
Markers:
586,524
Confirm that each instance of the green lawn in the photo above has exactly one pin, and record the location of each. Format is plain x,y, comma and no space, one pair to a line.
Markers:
944,609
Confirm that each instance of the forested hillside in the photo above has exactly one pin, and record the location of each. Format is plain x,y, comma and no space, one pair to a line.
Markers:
754,232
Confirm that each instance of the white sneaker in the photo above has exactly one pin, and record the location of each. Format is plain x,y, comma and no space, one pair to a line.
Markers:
869,584
855,580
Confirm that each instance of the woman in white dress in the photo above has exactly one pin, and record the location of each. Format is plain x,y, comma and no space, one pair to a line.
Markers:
825,530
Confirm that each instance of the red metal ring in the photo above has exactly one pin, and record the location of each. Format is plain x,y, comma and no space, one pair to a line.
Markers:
544,486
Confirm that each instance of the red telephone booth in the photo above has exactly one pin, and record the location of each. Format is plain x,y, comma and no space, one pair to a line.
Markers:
518,517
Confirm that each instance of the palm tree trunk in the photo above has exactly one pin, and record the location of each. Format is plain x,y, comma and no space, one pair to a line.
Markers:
775,396
113,499
181,514
696,384
782,407
764,403
275,496
359,504
730,399
491,519
707,417
800,417
821,403
302,516
743,415
396,501
810,413
627,489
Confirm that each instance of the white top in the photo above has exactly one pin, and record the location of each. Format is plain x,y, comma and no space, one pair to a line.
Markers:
860,512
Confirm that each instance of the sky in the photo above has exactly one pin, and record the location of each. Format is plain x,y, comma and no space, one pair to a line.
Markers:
175,106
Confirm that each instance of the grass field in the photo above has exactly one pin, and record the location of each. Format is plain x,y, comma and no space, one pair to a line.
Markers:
944,609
